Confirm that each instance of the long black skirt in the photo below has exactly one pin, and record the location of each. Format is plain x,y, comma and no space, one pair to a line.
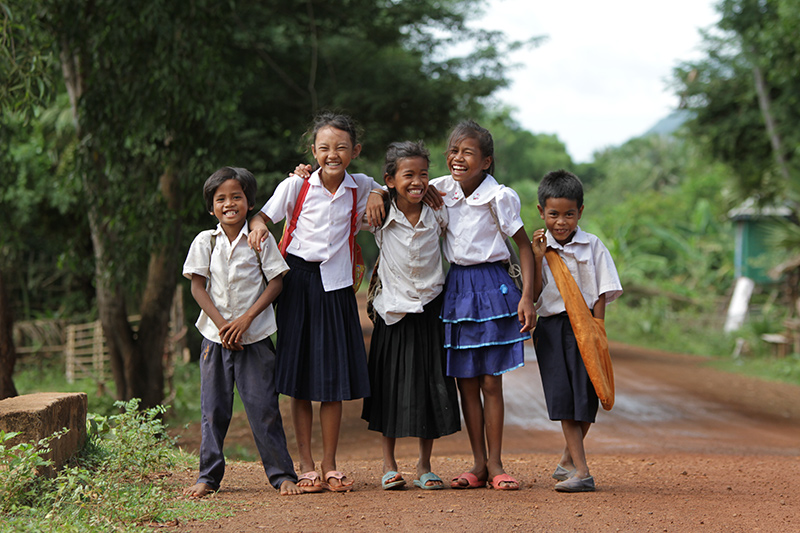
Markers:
320,349
412,396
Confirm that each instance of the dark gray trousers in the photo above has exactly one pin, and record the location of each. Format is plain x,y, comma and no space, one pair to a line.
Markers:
252,370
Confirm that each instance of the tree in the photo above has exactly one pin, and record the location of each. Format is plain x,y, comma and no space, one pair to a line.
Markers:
8,353
162,93
744,94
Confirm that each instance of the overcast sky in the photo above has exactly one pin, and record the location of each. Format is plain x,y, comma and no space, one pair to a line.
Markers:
601,77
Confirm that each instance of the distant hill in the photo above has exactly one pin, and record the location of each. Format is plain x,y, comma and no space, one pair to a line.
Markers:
670,123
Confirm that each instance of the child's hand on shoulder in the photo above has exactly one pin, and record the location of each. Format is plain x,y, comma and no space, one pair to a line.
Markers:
376,207
539,243
256,237
302,170
433,197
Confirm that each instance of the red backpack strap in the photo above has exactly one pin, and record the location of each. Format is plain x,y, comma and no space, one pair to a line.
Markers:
354,222
355,250
291,225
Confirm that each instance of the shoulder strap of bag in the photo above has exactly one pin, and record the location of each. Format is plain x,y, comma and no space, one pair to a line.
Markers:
291,225
514,268
589,335
356,259
355,223
570,293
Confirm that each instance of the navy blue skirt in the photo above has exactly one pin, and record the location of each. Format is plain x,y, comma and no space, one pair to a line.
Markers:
320,350
568,391
411,393
481,327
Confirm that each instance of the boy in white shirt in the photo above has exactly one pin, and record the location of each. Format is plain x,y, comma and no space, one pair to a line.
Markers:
569,393
228,282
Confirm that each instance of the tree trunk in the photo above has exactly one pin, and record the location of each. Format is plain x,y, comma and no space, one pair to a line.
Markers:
8,352
772,131
136,357
162,278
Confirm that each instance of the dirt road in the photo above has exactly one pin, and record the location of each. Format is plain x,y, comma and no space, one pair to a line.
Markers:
686,448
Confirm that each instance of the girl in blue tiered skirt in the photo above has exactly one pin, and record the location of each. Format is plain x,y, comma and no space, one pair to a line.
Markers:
486,318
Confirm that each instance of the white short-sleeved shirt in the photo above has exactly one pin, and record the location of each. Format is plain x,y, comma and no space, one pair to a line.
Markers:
410,269
234,280
472,235
322,234
590,264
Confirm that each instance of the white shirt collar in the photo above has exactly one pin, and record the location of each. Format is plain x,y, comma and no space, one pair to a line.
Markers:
580,237
243,232
397,215
348,182
485,192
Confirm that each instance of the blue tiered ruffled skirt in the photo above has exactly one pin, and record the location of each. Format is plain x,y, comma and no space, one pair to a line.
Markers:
480,321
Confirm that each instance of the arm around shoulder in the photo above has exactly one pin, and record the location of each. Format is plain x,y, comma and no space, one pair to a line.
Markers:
258,231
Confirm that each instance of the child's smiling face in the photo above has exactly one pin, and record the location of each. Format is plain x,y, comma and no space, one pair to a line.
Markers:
410,180
561,216
230,204
467,164
333,149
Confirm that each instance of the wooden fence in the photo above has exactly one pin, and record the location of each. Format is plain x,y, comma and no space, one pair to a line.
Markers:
84,345
86,353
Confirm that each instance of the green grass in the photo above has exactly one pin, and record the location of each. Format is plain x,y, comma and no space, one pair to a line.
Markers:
33,376
699,331
783,369
48,375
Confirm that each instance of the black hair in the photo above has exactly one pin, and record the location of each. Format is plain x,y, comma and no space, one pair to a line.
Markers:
561,184
469,129
335,120
403,150
242,175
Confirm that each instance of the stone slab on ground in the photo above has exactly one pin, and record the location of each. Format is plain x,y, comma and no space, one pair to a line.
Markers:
36,416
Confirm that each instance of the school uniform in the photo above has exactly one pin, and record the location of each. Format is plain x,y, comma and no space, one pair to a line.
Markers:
569,393
321,354
235,280
411,393
479,310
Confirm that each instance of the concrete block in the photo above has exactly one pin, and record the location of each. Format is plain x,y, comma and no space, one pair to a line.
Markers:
36,416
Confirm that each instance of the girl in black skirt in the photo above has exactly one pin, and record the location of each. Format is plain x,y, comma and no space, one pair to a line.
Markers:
320,349
411,393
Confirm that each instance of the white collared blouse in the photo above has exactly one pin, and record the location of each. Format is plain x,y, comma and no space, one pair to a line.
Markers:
410,267
472,235
234,280
323,228
590,264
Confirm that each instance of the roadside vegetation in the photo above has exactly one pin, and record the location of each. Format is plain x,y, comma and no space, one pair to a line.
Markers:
120,481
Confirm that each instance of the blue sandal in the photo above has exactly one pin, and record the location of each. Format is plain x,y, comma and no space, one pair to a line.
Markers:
389,482
423,480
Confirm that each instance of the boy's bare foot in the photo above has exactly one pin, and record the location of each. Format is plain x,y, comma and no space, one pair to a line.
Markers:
288,488
198,490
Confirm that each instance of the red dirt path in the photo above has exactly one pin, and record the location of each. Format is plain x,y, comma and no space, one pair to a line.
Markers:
686,448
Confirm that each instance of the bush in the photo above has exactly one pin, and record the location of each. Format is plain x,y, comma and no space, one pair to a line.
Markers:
20,465
119,481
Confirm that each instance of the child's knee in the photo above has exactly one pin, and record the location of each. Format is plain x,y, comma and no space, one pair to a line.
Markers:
492,386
